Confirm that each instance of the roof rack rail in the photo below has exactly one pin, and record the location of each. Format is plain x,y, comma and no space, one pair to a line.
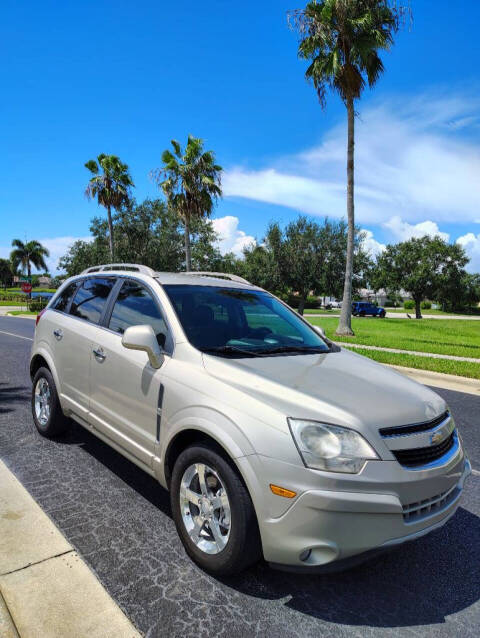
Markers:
130,267
217,275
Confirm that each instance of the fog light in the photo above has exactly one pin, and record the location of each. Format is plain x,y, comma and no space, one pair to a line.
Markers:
305,555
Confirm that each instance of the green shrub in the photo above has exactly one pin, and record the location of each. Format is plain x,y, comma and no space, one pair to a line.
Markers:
409,304
426,305
37,304
310,302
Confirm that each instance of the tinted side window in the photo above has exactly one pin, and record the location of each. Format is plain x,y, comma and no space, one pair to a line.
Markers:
91,298
61,303
134,307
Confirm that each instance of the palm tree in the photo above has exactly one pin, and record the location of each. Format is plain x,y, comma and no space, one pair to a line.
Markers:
111,187
191,182
25,254
341,39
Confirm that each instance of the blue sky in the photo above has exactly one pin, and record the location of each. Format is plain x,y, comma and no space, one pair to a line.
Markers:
120,77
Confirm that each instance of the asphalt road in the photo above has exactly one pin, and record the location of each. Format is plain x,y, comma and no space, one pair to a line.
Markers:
119,519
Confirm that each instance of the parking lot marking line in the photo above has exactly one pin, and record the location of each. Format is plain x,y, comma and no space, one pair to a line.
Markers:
475,472
12,334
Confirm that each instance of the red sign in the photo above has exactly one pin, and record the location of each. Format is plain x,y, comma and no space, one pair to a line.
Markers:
26,287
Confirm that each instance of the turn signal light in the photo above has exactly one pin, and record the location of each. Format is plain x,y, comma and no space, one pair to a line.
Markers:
282,491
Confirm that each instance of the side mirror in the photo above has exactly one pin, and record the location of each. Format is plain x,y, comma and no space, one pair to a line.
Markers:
143,338
320,331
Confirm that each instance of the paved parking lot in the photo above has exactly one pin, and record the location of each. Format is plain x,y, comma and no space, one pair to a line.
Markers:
118,518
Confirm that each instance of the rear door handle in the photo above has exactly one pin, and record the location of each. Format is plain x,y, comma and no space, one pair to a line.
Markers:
58,333
99,354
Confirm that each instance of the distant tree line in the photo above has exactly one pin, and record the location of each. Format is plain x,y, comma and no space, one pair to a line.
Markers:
427,268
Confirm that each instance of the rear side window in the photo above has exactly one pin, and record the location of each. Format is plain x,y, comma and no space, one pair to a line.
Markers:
62,301
135,306
91,298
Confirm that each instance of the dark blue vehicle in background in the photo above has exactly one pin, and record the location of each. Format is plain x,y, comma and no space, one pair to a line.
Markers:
364,308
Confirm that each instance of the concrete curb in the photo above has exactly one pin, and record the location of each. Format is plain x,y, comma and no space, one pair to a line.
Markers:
46,589
440,380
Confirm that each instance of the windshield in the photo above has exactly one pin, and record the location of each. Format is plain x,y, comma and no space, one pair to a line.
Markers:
237,323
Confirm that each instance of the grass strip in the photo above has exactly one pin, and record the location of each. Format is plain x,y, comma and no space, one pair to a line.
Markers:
434,311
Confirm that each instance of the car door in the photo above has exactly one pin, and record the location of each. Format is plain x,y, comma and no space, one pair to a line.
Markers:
126,392
73,327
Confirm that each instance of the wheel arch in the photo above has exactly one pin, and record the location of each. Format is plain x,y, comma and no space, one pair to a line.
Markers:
188,436
41,358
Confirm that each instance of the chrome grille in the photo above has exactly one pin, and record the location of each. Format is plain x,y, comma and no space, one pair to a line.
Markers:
424,455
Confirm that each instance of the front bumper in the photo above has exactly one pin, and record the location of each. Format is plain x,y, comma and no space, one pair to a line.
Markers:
325,529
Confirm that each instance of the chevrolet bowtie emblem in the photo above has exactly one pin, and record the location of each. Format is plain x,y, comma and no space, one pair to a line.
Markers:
436,438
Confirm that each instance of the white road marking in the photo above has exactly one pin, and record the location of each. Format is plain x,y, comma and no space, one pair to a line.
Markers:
12,334
475,472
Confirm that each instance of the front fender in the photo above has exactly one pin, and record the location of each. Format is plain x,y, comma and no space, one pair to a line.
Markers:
208,421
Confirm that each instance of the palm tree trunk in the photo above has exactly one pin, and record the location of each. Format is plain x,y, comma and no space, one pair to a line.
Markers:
345,323
29,272
188,254
301,304
110,233
418,309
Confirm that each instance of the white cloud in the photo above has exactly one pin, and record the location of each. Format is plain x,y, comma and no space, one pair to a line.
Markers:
231,239
471,244
371,245
402,230
415,159
57,246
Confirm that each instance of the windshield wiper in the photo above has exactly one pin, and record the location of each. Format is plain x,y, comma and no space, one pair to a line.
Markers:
232,350
300,349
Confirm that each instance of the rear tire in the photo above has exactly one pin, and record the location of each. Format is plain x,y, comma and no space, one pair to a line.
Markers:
222,539
46,409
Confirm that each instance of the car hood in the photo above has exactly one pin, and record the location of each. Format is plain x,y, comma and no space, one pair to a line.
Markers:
338,387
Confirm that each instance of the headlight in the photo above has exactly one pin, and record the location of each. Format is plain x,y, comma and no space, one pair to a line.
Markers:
330,447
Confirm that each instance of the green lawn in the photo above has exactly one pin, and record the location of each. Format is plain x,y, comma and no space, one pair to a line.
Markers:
12,303
454,337
19,290
459,368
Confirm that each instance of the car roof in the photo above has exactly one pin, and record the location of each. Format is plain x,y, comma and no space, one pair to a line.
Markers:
194,278
186,279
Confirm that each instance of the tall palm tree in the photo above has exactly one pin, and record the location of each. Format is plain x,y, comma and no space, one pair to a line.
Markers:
191,181
342,40
110,184
25,254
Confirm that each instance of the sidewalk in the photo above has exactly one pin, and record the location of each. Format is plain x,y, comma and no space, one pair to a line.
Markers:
46,589
6,309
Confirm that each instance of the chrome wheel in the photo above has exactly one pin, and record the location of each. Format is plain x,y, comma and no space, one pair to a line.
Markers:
205,508
42,401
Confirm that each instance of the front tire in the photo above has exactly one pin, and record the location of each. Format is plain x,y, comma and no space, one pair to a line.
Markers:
213,512
46,409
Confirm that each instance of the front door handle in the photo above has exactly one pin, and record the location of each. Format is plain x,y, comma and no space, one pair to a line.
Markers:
99,354
58,333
